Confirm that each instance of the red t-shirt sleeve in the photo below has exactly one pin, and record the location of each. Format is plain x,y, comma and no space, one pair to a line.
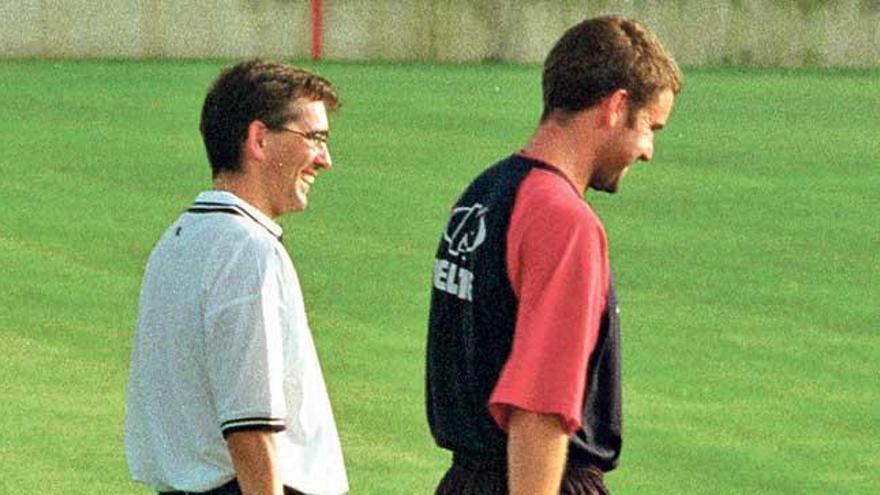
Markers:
557,265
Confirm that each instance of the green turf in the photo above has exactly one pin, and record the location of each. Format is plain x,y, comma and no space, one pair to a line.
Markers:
746,257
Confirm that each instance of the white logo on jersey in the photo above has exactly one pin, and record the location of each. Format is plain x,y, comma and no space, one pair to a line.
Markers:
466,229
453,279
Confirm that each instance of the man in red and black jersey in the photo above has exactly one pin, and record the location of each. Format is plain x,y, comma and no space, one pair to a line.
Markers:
523,366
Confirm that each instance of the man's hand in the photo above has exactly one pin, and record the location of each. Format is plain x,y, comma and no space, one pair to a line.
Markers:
253,455
536,451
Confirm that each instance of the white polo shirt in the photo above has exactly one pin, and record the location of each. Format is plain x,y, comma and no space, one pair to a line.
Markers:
222,343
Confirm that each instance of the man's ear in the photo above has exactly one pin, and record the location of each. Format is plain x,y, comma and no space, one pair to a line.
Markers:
615,108
255,141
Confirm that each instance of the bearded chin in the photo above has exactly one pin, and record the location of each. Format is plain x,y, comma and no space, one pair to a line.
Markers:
609,185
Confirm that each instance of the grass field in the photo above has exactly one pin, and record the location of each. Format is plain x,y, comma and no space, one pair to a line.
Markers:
746,256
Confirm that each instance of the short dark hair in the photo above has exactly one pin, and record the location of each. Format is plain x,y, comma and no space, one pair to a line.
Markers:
601,55
255,90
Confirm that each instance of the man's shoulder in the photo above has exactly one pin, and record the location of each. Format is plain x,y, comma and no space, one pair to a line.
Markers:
247,243
496,185
545,193
499,172
217,236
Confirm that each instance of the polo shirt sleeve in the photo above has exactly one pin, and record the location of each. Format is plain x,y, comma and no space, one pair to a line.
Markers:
557,265
243,343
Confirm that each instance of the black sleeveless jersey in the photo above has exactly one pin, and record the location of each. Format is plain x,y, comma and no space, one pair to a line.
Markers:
471,328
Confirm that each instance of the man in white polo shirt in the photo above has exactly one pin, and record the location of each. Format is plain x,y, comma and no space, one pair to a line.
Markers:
226,394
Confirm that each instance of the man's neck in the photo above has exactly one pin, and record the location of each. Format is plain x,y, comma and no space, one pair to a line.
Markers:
564,148
241,186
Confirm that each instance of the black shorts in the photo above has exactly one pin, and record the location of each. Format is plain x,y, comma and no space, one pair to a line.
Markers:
469,476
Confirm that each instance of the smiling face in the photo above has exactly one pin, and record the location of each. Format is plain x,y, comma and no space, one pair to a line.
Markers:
294,156
631,140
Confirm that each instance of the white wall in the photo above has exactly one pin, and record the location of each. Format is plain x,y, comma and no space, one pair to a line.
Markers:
154,28
699,32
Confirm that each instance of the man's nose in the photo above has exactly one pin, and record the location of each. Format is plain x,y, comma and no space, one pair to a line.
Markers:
323,159
647,153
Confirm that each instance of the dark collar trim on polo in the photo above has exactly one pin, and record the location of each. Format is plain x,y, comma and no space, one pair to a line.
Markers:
550,168
211,207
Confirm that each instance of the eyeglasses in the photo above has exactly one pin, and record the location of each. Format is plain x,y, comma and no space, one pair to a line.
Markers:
318,138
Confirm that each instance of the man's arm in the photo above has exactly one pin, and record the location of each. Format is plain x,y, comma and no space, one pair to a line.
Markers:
253,456
536,451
